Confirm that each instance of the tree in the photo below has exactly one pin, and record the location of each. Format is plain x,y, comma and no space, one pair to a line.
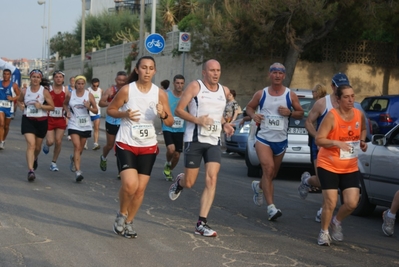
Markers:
66,44
248,29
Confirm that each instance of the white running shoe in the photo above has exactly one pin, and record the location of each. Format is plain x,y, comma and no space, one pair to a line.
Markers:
1,145
53,167
323,239
388,224
336,232
303,188
273,212
318,215
175,189
204,230
258,193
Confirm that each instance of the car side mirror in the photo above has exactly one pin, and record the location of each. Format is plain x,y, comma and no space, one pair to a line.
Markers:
379,140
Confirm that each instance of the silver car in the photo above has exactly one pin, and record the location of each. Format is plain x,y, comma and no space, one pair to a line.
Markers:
379,168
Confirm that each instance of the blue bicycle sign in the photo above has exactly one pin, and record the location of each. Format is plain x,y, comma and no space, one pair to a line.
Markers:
154,43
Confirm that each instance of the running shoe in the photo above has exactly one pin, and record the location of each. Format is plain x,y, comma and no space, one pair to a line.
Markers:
31,176
273,213
119,224
35,164
129,231
324,239
167,172
53,167
86,147
72,166
388,224
69,138
96,146
78,176
258,193
303,188
119,177
204,230
2,145
336,232
46,149
175,189
103,163
318,215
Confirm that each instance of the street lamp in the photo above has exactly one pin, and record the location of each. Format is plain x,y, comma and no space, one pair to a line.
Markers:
42,2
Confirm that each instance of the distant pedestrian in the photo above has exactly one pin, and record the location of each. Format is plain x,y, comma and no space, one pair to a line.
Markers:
35,103
77,105
173,136
96,91
165,85
138,104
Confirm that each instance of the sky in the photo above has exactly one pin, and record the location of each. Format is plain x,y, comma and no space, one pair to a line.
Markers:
24,18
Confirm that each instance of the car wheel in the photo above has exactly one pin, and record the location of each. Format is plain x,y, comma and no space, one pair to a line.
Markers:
252,171
364,207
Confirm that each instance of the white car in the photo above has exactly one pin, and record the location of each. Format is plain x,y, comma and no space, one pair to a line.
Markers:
298,151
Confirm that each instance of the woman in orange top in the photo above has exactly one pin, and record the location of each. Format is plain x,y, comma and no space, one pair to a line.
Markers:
340,136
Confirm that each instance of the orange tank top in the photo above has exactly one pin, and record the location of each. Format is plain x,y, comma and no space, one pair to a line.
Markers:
333,158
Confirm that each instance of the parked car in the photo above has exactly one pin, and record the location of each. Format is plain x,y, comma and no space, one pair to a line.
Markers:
298,151
384,110
379,170
238,141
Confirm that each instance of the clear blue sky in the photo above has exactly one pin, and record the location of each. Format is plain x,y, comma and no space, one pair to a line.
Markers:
22,35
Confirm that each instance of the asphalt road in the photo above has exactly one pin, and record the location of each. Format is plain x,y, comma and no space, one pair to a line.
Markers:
55,221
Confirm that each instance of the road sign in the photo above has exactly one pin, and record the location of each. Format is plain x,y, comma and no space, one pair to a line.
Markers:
154,43
184,42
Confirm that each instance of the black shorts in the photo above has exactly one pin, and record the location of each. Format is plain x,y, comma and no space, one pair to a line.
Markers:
331,180
83,134
175,139
195,151
33,126
111,129
126,159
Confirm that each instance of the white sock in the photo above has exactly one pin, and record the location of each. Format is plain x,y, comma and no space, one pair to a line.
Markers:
391,215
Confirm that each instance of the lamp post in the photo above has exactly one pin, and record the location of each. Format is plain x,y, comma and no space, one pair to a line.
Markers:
48,36
43,2
82,46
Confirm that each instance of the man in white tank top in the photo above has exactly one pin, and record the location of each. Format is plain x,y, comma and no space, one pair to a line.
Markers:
274,103
316,115
205,100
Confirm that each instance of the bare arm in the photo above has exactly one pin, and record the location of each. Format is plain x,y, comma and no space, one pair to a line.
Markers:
314,113
118,101
298,110
103,103
163,101
49,101
252,106
91,105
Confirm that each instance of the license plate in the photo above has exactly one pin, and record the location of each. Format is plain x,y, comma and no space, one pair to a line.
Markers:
297,130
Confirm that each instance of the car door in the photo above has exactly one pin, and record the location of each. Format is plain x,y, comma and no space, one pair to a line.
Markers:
384,169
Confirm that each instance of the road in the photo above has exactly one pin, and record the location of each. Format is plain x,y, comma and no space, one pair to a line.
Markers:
55,221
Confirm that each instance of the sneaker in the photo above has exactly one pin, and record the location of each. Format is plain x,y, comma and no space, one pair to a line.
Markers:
232,153
69,138
336,232
35,164
303,188
175,189
1,145
78,176
31,176
204,230
129,231
119,177
46,149
388,224
273,213
167,173
323,239
96,146
103,163
72,166
318,215
119,224
53,167
86,147
258,193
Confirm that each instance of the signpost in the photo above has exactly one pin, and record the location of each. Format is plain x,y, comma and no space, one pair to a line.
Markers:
184,42
154,43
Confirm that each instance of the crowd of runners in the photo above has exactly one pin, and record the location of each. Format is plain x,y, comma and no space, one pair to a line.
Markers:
193,119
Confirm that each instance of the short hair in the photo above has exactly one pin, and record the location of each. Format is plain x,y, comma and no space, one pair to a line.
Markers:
165,84
95,80
320,90
233,92
338,93
7,70
177,77
121,73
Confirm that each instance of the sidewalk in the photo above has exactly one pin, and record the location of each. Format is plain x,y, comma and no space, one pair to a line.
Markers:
157,129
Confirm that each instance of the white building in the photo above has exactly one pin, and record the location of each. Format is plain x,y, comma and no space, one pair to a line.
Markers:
96,7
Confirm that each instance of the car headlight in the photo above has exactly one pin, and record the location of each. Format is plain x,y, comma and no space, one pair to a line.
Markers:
245,128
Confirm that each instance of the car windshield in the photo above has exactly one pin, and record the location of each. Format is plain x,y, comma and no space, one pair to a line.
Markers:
306,104
375,104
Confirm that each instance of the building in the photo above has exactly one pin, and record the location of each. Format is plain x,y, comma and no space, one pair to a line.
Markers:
96,7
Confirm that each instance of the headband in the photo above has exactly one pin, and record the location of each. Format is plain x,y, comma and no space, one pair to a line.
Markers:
282,69
36,71
80,77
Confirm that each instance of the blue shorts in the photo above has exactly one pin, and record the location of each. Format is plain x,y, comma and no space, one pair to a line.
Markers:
95,117
6,111
278,148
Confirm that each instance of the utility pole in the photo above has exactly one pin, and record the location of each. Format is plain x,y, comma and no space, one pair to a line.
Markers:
83,38
141,38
